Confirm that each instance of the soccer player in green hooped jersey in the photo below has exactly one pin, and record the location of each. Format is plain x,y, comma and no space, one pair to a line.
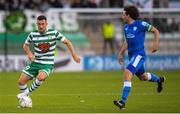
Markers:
42,59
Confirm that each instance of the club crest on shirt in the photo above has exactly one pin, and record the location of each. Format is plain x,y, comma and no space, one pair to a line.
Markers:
134,28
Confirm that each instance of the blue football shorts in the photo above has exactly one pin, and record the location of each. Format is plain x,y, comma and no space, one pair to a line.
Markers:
136,65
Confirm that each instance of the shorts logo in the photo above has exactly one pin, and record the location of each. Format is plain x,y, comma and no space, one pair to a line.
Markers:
27,67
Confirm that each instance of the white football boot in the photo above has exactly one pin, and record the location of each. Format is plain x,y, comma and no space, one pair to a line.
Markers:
21,95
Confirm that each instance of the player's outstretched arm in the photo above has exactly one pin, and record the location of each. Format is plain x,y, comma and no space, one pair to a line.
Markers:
28,52
156,39
71,48
122,50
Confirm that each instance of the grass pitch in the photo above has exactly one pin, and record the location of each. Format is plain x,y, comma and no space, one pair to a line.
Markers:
92,92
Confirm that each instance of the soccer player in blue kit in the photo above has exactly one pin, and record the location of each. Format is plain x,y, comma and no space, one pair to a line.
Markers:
135,30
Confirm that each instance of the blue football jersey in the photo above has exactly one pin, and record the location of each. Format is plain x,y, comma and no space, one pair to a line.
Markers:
135,37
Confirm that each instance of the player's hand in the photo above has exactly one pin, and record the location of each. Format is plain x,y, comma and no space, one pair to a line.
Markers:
76,58
155,48
31,57
120,58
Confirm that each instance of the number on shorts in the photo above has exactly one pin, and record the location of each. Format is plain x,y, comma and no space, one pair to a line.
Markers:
27,67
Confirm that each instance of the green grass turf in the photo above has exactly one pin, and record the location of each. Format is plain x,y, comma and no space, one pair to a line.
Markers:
92,92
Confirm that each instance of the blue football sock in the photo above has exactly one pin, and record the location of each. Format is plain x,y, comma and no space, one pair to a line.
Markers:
153,77
126,91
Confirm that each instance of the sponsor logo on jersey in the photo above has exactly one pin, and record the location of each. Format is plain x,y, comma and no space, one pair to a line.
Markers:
129,35
44,47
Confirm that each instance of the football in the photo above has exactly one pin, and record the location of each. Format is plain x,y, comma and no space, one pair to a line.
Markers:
25,102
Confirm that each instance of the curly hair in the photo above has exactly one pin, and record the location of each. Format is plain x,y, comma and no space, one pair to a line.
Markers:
132,11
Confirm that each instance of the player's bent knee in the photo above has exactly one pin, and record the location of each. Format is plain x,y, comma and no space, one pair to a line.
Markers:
143,77
23,79
21,82
127,75
42,76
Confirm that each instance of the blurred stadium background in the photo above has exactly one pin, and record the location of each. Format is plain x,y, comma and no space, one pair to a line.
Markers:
82,21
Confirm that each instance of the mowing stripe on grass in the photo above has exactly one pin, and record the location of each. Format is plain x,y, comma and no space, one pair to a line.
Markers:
98,94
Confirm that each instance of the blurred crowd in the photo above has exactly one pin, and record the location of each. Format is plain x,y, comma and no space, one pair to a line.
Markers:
44,5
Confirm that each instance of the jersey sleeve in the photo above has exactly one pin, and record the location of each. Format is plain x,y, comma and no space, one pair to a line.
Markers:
28,39
146,26
60,37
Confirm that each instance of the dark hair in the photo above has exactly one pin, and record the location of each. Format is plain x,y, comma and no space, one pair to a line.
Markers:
41,17
132,11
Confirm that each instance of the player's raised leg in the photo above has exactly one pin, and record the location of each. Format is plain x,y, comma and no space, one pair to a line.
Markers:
154,78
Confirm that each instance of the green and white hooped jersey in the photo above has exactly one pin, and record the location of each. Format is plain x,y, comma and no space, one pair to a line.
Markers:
44,45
